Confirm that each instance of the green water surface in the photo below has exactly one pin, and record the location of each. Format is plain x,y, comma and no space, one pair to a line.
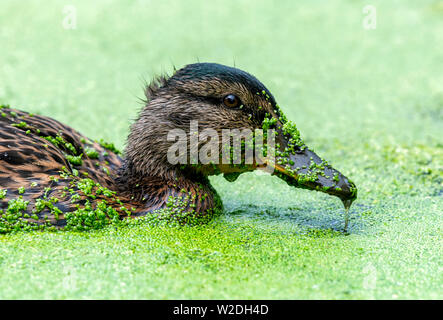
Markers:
369,101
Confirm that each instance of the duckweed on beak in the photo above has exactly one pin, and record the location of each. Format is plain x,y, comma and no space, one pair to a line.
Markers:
300,167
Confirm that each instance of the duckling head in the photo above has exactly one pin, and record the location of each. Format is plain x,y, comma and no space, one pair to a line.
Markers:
189,126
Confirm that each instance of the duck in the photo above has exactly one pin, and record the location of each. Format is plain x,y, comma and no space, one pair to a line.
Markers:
53,176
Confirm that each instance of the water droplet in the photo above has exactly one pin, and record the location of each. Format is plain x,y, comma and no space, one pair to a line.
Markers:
347,205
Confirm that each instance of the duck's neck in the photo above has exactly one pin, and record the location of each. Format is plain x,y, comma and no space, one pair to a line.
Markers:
184,191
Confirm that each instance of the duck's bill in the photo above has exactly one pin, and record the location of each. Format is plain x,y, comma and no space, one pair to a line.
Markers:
301,167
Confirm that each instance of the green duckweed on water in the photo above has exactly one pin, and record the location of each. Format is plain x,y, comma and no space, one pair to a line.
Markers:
369,101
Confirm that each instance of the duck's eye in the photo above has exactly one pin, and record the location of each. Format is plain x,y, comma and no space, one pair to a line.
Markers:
231,101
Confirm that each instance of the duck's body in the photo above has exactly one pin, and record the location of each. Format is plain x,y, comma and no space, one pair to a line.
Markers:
35,151
51,174
36,166
28,155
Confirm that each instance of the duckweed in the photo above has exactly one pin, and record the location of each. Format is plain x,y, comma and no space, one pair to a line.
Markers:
88,218
58,141
179,210
91,153
75,160
109,146
295,144
41,204
13,218
22,124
